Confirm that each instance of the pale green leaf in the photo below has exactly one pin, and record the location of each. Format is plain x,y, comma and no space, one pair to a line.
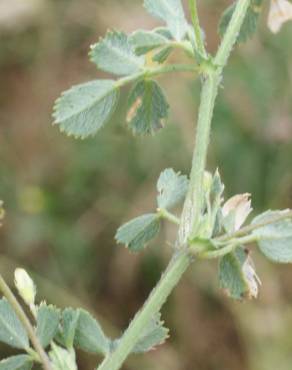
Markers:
162,55
274,240
11,329
70,319
85,108
148,108
89,335
249,26
47,323
137,233
115,54
171,12
145,41
62,359
237,276
20,362
152,336
172,188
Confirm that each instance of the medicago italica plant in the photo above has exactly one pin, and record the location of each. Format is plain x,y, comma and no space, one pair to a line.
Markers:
208,227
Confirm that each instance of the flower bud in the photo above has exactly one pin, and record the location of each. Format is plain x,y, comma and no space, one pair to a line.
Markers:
2,212
235,211
25,286
280,13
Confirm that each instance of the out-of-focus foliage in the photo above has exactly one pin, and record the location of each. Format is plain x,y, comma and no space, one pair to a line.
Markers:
64,199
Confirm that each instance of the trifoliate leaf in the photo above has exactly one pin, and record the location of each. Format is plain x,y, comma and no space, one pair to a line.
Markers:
20,362
170,11
89,335
116,55
47,323
172,188
62,359
274,240
148,108
162,55
11,330
85,108
250,21
152,336
70,319
137,233
145,41
237,276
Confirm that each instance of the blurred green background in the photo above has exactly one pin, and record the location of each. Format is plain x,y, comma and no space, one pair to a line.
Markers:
64,198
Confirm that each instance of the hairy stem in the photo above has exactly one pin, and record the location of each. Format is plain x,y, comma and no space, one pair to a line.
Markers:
168,216
193,204
248,229
26,324
177,266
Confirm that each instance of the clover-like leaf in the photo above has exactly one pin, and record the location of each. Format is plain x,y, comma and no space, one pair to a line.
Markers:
70,319
275,239
137,233
89,335
170,11
62,359
145,41
172,188
115,54
19,362
250,21
47,323
153,335
148,108
11,330
84,109
237,276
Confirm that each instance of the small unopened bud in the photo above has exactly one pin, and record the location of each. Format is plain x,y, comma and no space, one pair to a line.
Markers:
2,212
236,210
25,286
280,13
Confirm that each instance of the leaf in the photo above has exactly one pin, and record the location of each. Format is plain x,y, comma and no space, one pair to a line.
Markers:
20,362
249,24
162,55
137,233
11,330
152,336
170,11
148,108
115,54
274,240
89,335
172,188
70,319
47,323
237,275
145,41
62,359
84,109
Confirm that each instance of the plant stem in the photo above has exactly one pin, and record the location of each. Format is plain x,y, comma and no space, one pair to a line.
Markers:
197,28
248,229
190,220
193,203
26,324
168,216
177,266
156,71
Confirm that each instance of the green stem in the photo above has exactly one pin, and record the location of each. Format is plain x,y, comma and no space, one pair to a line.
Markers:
193,204
197,28
168,216
177,266
156,71
248,229
26,324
